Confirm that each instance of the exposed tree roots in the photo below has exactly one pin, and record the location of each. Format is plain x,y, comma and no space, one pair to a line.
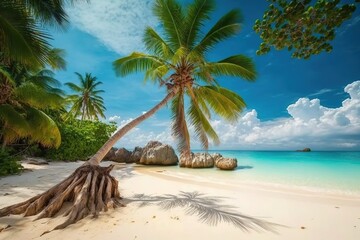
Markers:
91,189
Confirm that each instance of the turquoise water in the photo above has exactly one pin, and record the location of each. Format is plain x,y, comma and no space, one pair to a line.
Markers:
334,172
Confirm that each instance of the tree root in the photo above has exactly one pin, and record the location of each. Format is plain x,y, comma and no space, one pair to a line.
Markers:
90,188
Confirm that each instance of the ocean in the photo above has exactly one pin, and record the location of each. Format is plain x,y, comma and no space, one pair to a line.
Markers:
330,172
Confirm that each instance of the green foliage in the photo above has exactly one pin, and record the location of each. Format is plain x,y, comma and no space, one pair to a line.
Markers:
9,164
304,28
86,102
22,106
177,60
80,139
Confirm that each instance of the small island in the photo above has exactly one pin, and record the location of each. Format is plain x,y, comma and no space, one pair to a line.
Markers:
304,150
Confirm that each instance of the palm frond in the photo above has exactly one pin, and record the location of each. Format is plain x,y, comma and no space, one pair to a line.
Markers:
179,126
57,59
156,45
73,87
201,124
136,62
14,124
197,13
226,27
180,54
32,95
236,66
156,73
51,12
223,102
43,129
20,38
169,12
6,76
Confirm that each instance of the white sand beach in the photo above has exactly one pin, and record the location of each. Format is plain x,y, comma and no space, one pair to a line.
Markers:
163,204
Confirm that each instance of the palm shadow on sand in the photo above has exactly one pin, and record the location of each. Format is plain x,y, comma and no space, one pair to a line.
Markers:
207,208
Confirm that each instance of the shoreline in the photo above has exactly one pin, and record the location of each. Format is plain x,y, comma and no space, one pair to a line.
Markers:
259,186
292,216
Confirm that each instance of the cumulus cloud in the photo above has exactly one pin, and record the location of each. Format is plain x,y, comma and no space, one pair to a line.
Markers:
118,24
309,125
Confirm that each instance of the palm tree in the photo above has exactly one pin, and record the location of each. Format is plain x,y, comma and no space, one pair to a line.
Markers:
86,102
177,61
22,111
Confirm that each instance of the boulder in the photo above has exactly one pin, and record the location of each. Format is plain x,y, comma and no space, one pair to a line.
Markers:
197,160
136,155
226,163
156,153
186,161
216,156
122,155
110,156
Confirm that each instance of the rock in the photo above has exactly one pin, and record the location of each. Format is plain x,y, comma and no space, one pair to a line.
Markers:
156,153
110,156
122,155
186,161
36,161
136,155
226,163
197,160
304,150
216,156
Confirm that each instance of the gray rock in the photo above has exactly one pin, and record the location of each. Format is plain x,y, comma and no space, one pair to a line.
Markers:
122,155
136,155
226,163
197,160
111,156
156,153
36,161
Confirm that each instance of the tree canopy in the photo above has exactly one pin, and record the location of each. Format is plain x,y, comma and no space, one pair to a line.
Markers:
303,27
177,59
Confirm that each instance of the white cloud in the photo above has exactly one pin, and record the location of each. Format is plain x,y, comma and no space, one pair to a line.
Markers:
320,92
309,125
118,24
114,118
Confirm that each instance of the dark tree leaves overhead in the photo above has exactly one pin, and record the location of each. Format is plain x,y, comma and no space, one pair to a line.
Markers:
304,27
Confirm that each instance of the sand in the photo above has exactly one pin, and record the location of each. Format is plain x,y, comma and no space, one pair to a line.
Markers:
162,204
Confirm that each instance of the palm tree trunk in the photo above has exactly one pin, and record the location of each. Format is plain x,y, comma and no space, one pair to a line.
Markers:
96,159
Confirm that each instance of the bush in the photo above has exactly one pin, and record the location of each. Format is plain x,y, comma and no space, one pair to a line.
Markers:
80,139
9,164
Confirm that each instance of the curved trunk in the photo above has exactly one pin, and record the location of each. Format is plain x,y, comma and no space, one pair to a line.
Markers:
96,159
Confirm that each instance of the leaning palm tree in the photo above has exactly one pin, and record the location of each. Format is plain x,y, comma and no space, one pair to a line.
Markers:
86,102
177,61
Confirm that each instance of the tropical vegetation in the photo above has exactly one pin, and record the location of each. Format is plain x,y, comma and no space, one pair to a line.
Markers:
80,139
305,28
86,102
177,60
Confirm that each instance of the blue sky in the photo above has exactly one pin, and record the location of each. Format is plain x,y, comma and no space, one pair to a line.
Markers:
293,103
